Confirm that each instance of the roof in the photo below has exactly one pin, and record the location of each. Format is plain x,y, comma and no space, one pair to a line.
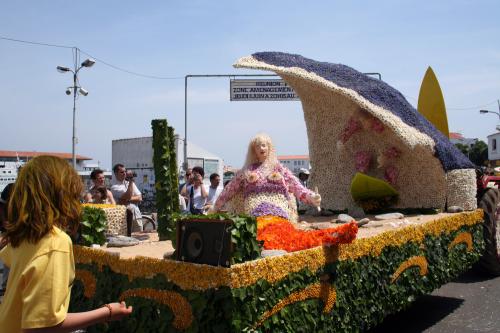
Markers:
456,135
195,151
30,154
293,157
494,134
369,93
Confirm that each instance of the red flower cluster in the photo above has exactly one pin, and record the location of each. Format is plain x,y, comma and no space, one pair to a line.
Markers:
282,235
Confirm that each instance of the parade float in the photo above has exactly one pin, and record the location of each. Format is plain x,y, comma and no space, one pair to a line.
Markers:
371,149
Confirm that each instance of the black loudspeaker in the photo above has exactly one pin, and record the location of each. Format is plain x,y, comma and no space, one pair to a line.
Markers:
204,241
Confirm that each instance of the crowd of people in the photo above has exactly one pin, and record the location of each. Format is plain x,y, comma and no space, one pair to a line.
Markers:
194,196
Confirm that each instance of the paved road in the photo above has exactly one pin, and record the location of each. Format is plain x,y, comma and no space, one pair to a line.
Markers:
469,304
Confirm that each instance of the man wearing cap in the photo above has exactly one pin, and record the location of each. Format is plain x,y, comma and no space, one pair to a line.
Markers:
303,177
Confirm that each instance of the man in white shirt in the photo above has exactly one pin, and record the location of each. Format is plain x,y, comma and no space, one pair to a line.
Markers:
126,193
213,191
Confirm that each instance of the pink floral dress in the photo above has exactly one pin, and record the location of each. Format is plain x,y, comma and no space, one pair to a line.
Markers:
265,193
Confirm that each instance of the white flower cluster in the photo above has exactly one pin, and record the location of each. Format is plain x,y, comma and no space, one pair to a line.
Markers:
417,174
461,188
116,220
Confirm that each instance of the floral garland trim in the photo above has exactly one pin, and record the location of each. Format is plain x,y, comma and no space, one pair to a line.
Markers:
183,314
324,291
463,237
190,276
187,276
89,282
375,245
98,205
419,261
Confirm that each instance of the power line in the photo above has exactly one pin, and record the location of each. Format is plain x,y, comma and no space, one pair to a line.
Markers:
155,77
74,48
36,43
131,72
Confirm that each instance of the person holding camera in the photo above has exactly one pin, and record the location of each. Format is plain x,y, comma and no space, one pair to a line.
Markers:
195,192
126,193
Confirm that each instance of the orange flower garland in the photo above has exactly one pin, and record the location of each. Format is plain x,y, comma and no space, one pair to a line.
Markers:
324,291
280,234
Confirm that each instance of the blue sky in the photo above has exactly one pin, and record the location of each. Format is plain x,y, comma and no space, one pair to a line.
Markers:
398,39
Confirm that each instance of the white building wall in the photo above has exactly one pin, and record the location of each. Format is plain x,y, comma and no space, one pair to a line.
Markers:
294,165
137,154
494,147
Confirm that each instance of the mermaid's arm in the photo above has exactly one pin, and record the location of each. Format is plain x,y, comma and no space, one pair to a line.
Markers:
300,191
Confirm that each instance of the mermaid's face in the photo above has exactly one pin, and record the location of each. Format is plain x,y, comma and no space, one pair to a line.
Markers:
261,151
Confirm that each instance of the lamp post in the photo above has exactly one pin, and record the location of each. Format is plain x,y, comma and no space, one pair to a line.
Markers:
75,89
497,113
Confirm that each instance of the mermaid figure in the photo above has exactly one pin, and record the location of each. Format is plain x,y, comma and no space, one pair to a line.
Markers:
263,187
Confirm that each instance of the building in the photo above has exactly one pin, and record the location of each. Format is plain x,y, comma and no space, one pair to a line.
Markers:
87,170
137,154
295,162
25,156
493,149
11,160
459,138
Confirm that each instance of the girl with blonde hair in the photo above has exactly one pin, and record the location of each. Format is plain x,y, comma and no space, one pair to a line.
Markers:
263,186
45,203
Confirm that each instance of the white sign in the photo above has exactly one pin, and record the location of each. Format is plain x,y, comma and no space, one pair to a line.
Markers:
262,90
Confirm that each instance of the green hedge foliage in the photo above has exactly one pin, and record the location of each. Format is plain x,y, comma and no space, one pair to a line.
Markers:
365,294
93,226
165,166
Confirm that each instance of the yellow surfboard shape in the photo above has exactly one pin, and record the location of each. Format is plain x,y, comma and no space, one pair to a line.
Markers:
431,102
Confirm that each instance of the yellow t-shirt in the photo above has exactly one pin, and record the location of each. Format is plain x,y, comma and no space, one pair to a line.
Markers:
39,284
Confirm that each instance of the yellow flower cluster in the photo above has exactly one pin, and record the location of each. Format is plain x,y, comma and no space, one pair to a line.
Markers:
463,237
183,314
98,205
190,276
412,233
419,261
324,291
187,276
88,280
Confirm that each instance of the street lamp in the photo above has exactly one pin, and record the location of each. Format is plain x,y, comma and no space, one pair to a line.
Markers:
75,89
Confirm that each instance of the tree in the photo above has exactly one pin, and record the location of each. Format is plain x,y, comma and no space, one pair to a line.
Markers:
463,148
479,153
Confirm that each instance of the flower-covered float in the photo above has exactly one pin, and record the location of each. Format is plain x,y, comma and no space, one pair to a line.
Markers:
356,123
326,281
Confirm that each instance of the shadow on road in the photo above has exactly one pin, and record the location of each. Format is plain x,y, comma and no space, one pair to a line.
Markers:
473,276
412,321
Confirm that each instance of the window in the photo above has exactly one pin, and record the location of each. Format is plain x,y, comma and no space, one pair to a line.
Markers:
494,144
192,162
211,166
